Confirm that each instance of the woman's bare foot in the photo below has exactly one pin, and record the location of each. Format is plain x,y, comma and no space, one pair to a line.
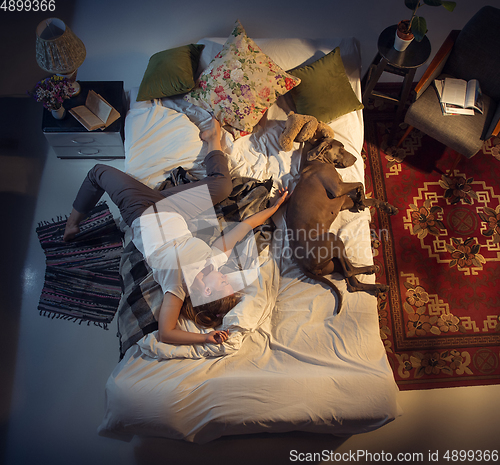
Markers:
212,136
72,225
70,232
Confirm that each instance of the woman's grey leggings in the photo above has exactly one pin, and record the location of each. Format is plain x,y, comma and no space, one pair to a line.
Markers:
132,197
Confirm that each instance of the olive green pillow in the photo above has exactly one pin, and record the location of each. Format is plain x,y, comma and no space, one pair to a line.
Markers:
324,90
170,72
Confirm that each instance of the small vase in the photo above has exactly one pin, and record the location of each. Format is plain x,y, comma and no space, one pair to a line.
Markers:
60,113
402,39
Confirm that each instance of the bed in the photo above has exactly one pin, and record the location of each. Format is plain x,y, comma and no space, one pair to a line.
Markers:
293,363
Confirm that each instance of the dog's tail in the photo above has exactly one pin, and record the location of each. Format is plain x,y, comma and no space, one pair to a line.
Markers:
327,282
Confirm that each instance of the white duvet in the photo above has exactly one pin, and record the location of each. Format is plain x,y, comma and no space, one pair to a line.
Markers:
293,362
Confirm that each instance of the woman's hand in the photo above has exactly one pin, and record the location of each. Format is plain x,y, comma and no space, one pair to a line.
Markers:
229,240
217,337
261,217
278,201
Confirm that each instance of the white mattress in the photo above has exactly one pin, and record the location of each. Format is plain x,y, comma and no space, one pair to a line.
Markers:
303,367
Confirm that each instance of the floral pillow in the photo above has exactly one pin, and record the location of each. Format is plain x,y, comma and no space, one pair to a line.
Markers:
240,84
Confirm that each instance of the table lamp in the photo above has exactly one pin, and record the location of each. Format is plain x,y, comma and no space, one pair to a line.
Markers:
59,50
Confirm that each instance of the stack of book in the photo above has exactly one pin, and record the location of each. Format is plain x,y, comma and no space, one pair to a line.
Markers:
459,97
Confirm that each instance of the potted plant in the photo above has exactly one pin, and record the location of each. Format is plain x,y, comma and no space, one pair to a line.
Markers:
416,27
52,92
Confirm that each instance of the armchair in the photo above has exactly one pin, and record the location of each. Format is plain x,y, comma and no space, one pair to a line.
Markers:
473,52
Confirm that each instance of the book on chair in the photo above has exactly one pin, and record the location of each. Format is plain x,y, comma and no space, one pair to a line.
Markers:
96,113
459,97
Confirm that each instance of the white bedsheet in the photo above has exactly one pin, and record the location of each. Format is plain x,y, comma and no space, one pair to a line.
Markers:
303,367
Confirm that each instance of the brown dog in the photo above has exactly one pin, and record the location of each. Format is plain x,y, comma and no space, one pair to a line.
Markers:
317,199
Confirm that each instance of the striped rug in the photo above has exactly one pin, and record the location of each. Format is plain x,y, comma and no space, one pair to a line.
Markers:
82,280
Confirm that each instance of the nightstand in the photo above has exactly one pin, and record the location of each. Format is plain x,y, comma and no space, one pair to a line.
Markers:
70,139
404,64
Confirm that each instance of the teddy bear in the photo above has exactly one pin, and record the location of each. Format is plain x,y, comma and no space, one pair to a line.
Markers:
302,128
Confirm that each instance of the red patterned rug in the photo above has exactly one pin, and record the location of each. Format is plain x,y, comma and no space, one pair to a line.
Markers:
440,319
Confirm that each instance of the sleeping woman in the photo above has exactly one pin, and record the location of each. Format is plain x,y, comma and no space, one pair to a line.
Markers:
185,267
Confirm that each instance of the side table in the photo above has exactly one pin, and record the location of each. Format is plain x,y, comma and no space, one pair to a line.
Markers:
389,60
70,139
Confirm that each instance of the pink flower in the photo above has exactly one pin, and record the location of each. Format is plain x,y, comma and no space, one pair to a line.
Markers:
237,75
221,95
265,92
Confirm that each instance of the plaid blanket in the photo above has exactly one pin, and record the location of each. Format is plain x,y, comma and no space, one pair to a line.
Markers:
141,294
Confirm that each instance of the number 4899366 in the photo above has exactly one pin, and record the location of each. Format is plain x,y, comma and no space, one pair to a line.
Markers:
28,5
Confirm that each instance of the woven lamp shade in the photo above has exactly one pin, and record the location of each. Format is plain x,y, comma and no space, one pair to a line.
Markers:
58,49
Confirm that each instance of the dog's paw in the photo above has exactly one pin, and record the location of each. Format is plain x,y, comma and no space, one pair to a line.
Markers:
358,197
371,269
388,208
381,288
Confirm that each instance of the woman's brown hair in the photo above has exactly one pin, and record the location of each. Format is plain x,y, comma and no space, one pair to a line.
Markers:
210,314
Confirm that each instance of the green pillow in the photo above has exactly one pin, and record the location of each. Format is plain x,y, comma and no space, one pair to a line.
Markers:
324,90
170,72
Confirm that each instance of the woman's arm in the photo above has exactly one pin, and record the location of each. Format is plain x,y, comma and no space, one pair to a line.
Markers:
230,239
167,331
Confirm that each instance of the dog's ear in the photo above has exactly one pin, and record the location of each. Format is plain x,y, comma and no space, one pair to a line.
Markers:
312,155
317,152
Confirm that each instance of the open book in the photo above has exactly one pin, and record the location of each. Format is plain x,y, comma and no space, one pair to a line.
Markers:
459,97
96,113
